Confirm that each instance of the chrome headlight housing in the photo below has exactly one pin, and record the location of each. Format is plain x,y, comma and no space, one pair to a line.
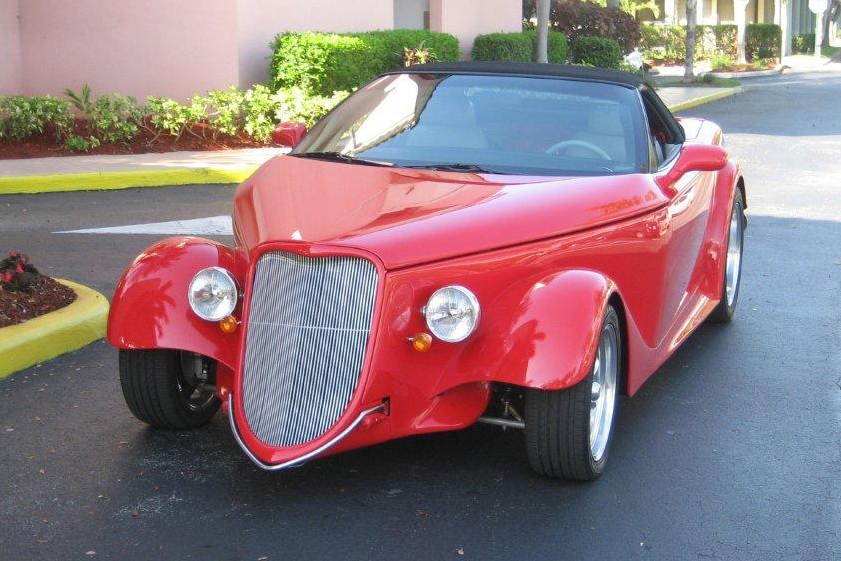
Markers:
452,313
213,294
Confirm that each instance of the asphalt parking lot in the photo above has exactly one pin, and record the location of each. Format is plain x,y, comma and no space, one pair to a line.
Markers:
731,451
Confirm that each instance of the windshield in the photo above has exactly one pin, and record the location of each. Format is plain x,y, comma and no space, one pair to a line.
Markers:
486,123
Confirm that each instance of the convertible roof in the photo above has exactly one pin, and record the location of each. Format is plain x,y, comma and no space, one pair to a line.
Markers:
587,73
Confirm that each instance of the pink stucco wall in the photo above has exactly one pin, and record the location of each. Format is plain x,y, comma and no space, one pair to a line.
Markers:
177,48
468,18
261,20
134,47
10,78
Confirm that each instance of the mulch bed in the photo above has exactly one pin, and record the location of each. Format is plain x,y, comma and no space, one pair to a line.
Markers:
45,144
47,296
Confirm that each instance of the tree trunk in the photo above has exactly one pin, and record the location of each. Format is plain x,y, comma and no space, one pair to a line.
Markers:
691,13
542,54
739,7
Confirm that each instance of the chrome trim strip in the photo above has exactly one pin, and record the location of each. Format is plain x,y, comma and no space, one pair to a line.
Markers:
301,459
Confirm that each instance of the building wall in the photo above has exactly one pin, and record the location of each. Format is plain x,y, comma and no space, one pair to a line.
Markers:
10,62
135,47
468,18
260,20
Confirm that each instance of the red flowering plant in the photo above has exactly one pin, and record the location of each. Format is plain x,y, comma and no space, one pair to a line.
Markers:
17,274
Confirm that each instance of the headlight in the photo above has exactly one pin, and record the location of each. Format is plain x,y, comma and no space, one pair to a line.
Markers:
452,313
213,294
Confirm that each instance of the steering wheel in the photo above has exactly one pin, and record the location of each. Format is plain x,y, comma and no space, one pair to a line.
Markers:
555,148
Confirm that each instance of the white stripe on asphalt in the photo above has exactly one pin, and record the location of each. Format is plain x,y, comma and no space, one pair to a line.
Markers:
211,226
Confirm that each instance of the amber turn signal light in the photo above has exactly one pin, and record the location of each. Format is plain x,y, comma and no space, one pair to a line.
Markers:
228,324
421,342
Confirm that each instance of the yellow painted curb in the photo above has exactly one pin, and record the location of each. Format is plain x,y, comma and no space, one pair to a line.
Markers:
701,100
55,333
121,179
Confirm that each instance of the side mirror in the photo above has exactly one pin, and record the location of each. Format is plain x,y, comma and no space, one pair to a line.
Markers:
693,157
289,133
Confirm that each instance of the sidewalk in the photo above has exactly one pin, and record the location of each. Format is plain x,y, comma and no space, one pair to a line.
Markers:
78,173
70,173
680,99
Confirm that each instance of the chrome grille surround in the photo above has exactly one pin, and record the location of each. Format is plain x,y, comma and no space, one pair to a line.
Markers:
306,335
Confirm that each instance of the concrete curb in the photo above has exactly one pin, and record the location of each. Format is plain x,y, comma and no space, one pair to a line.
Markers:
674,108
55,333
121,179
749,74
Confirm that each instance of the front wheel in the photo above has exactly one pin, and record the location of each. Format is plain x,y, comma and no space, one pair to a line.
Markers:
726,307
568,431
168,388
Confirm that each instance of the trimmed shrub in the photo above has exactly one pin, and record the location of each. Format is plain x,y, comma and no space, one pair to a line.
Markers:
579,19
322,63
518,46
803,43
667,43
763,40
602,52
22,116
663,43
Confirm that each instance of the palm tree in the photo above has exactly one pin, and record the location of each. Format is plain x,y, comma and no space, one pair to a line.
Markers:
542,54
691,13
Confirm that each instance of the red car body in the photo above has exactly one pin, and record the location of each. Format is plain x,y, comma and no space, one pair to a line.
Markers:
544,256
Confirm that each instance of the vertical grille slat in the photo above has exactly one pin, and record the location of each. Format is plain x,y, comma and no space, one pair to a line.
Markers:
306,337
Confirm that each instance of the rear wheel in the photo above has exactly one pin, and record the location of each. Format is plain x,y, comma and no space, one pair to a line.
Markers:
726,307
167,388
568,431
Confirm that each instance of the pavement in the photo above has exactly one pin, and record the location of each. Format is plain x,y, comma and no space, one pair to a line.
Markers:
730,451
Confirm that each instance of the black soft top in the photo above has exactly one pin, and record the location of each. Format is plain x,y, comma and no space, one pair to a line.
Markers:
529,69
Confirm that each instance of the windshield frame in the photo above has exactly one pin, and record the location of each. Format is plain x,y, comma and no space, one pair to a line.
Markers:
639,134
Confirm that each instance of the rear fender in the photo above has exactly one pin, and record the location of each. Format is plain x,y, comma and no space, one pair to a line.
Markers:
150,308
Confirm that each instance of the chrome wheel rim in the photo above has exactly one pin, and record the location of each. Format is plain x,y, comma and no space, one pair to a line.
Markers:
734,256
603,391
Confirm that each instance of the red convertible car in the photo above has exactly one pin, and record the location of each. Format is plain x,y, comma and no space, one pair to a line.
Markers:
515,244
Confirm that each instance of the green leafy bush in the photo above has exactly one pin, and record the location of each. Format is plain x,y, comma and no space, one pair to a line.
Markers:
518,46
721,61
22,117
667,43
109,118
296,105
763,40
322,63
78,143
803,43
602,52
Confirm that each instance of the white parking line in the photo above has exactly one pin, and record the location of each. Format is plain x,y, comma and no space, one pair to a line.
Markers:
210,226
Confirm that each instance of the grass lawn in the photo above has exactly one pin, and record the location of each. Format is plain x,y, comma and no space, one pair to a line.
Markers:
830,51
706,81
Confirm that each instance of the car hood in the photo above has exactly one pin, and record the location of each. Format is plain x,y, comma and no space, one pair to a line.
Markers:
407,216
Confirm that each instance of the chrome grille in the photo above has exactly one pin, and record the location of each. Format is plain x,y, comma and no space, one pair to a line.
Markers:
305,342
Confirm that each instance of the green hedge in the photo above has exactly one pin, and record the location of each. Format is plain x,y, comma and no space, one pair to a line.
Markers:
518,46
668,42
602,52
322,63
763,40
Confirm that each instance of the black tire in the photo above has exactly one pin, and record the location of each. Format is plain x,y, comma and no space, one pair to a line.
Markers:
724,311
558,424
156,392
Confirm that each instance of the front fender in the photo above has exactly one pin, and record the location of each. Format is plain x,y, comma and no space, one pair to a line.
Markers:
554,331
150,308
